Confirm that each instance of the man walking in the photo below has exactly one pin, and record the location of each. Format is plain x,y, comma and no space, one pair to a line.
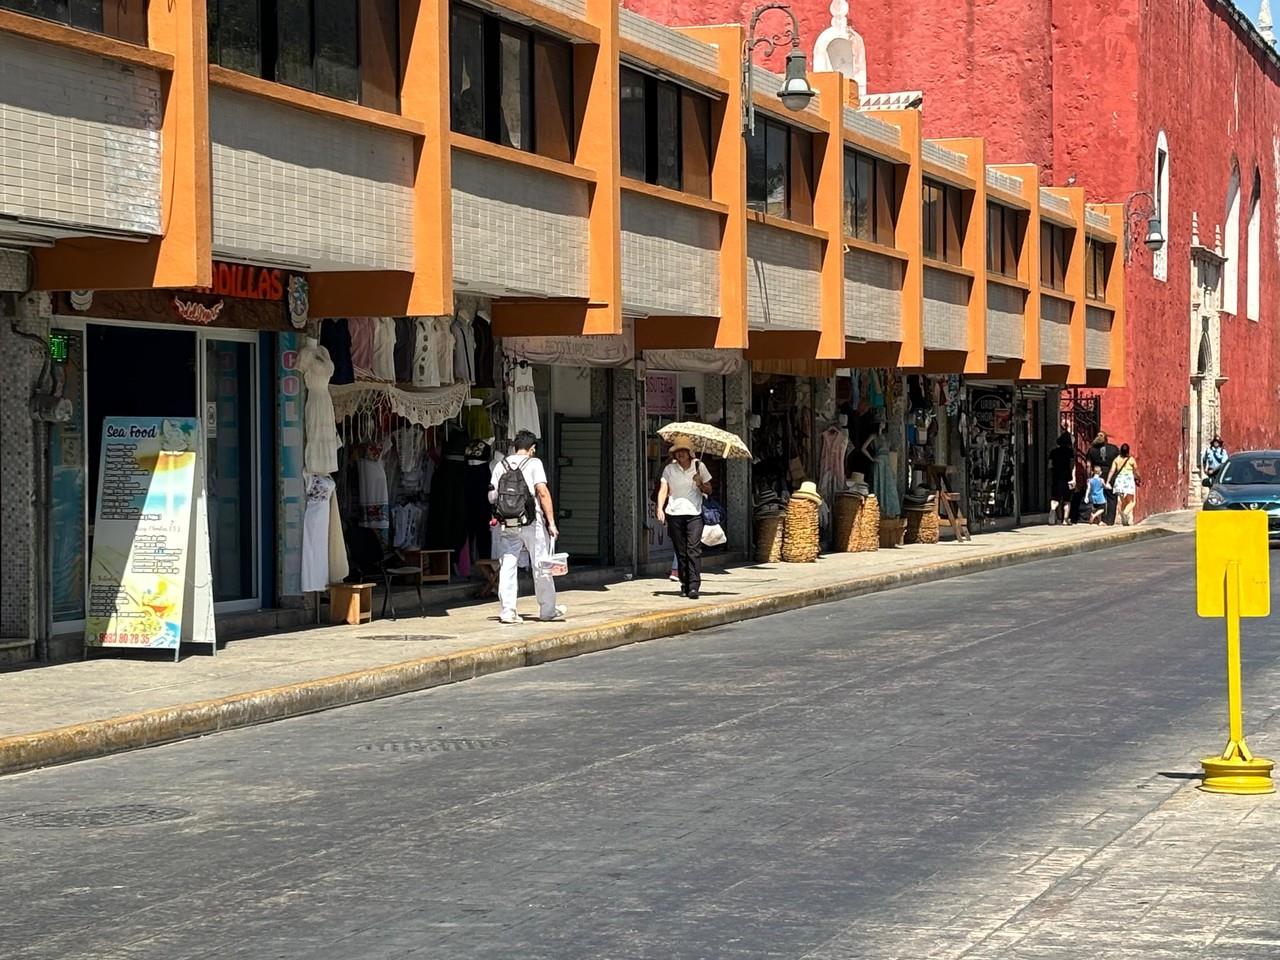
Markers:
1103,454
526,524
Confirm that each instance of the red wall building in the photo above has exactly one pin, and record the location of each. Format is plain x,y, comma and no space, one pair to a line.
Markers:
1033,78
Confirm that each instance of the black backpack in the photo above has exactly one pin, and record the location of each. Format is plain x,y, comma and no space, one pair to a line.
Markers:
514,504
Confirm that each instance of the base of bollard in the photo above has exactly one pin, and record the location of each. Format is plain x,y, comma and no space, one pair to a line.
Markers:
1236,774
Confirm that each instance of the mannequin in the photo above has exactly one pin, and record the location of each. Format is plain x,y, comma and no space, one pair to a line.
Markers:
320,450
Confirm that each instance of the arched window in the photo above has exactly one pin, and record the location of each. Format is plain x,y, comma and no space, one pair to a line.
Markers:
1253,262
1160,193
1231,243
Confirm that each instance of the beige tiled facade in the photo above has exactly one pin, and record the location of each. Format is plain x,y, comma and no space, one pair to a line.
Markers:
1055,320
1005,320
1097,338
783,274
872,296
946,310
670,258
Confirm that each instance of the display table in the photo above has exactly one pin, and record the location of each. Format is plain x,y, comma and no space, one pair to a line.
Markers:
434,564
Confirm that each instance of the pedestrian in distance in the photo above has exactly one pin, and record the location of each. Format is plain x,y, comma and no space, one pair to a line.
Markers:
1062,479
1097,496
1213,458
685,481
526,523
1124,480
1103,454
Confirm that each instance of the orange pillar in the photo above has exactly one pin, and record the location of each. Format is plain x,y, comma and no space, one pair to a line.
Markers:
1116,375
596,78
828,213
1076,369
974,253
909,236
1029,267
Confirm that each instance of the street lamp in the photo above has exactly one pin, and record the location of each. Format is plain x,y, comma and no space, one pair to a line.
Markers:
1140,206
796,92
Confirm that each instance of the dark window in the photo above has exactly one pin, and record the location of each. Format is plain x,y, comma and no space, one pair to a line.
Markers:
345,49
780,171
1096,270
657,117
510,85
1004,239
1055,251
128,25
869,191
944,222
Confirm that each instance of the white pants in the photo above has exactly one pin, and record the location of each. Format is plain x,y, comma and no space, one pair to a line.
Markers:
535,540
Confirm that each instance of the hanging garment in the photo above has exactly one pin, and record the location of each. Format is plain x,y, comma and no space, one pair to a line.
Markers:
443,340
338,566
885,487
406,526
335,338
464,350
426,362
875,394
315,533
320,440
406,337
522,404
478,422
384,349
831,474
482,333
408,443
361,346
374,508
447,513
476,498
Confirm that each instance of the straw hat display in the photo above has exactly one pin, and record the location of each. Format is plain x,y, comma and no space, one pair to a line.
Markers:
857,523
808,491
801,532
769,532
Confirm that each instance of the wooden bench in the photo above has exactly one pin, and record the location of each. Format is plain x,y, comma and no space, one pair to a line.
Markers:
350,603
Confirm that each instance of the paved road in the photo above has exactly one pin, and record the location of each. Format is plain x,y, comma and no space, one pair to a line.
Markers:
974,768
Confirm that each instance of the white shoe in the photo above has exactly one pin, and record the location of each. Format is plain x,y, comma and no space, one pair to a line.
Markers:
559,615
511,620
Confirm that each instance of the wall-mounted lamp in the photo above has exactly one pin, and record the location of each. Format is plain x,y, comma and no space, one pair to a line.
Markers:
1140,210
796,92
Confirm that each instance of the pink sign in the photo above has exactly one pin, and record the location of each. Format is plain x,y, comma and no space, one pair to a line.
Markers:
660,394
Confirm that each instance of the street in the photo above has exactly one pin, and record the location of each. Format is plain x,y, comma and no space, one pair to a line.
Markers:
990,766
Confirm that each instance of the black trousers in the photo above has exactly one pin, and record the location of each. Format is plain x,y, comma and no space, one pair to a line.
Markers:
1109,517
686,541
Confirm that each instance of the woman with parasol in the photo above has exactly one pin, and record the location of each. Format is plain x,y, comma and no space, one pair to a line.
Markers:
685,481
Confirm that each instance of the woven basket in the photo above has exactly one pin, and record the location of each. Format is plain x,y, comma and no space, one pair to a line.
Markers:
891,531
922,526
800,534
866,532
847,510
769,538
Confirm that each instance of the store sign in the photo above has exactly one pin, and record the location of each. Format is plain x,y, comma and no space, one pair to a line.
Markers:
150,581
289,486
660,394
247,282
198,313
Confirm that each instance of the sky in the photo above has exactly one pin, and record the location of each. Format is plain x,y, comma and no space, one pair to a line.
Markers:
1251,8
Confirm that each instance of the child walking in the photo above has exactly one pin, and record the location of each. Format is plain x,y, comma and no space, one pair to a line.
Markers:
1097,496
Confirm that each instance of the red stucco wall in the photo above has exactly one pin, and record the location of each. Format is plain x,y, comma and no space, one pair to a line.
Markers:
1082,87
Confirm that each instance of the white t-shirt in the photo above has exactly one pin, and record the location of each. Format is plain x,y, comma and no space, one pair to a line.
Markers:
530,467
684,499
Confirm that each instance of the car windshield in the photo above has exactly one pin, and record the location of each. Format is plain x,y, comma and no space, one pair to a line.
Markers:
1251,469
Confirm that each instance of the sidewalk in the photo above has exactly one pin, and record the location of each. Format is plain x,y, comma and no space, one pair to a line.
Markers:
75,711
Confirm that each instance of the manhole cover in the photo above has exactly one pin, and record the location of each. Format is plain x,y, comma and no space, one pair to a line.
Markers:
448,745
126,815
406,637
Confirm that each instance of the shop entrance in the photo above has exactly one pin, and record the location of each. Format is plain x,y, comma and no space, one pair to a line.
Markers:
113,370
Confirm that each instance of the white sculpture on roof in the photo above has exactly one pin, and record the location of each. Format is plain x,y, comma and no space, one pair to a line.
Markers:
840,48
1264,23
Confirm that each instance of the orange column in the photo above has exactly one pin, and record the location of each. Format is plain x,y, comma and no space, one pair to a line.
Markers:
1029,267
598,110
1115,296
909,236
183,255
828,213
729,183
1076,369
974,253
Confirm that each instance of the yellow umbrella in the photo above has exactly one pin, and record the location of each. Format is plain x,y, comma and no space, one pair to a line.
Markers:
708,440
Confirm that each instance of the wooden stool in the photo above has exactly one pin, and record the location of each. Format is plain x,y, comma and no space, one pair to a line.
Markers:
434,564
350,603
489,569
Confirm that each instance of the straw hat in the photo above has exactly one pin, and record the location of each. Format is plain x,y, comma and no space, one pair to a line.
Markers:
681,442
808,491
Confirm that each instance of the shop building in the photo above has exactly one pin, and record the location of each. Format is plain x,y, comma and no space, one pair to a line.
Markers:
567,180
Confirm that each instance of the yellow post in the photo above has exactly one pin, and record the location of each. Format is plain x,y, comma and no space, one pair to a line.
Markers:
1236,770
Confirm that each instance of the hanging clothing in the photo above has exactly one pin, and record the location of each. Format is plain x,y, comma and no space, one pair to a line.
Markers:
406,526
522,404
406,337
426,358
361,346
338,566
443,341
335,338
464,350
374,506
447,516
478,422
315,533
408,443
384,349
885,487
482,334
320,439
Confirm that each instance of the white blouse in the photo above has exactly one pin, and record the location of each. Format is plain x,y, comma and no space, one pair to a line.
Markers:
684,499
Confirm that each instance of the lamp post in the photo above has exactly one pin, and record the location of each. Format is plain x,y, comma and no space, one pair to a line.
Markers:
796,92
1140,207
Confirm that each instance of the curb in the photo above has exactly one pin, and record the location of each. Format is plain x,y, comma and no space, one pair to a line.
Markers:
99,738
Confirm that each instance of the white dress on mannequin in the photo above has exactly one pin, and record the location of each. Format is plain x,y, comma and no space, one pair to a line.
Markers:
315,533
321,443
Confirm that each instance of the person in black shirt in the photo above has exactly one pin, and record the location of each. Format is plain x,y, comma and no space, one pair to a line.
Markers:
1062,479
1103,454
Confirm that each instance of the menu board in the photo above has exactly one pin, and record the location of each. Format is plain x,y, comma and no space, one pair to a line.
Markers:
150,583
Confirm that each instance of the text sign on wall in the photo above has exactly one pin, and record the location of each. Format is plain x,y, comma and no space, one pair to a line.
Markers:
660,394
248,282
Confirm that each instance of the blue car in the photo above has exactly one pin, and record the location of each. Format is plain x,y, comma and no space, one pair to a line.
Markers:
1248,481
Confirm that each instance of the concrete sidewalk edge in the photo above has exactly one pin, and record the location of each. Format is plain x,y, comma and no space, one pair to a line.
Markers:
100,738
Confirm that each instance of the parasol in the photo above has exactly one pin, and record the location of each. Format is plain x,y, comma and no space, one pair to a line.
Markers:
708,440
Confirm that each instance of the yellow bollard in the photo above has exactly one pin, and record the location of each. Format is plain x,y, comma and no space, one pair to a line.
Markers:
1227,548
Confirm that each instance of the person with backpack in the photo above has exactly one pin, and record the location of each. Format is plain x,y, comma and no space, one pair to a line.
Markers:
526,524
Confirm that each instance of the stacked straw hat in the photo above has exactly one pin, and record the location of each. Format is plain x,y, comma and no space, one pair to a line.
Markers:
808,491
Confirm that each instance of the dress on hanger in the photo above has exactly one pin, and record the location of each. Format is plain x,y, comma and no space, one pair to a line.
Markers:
426,363
361,329
406,337
884,485
315,533
321,441
374,505
384,349
464,350
522,403
443,341
335,338
482,333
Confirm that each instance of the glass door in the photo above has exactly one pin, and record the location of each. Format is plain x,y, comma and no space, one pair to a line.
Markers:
228,389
